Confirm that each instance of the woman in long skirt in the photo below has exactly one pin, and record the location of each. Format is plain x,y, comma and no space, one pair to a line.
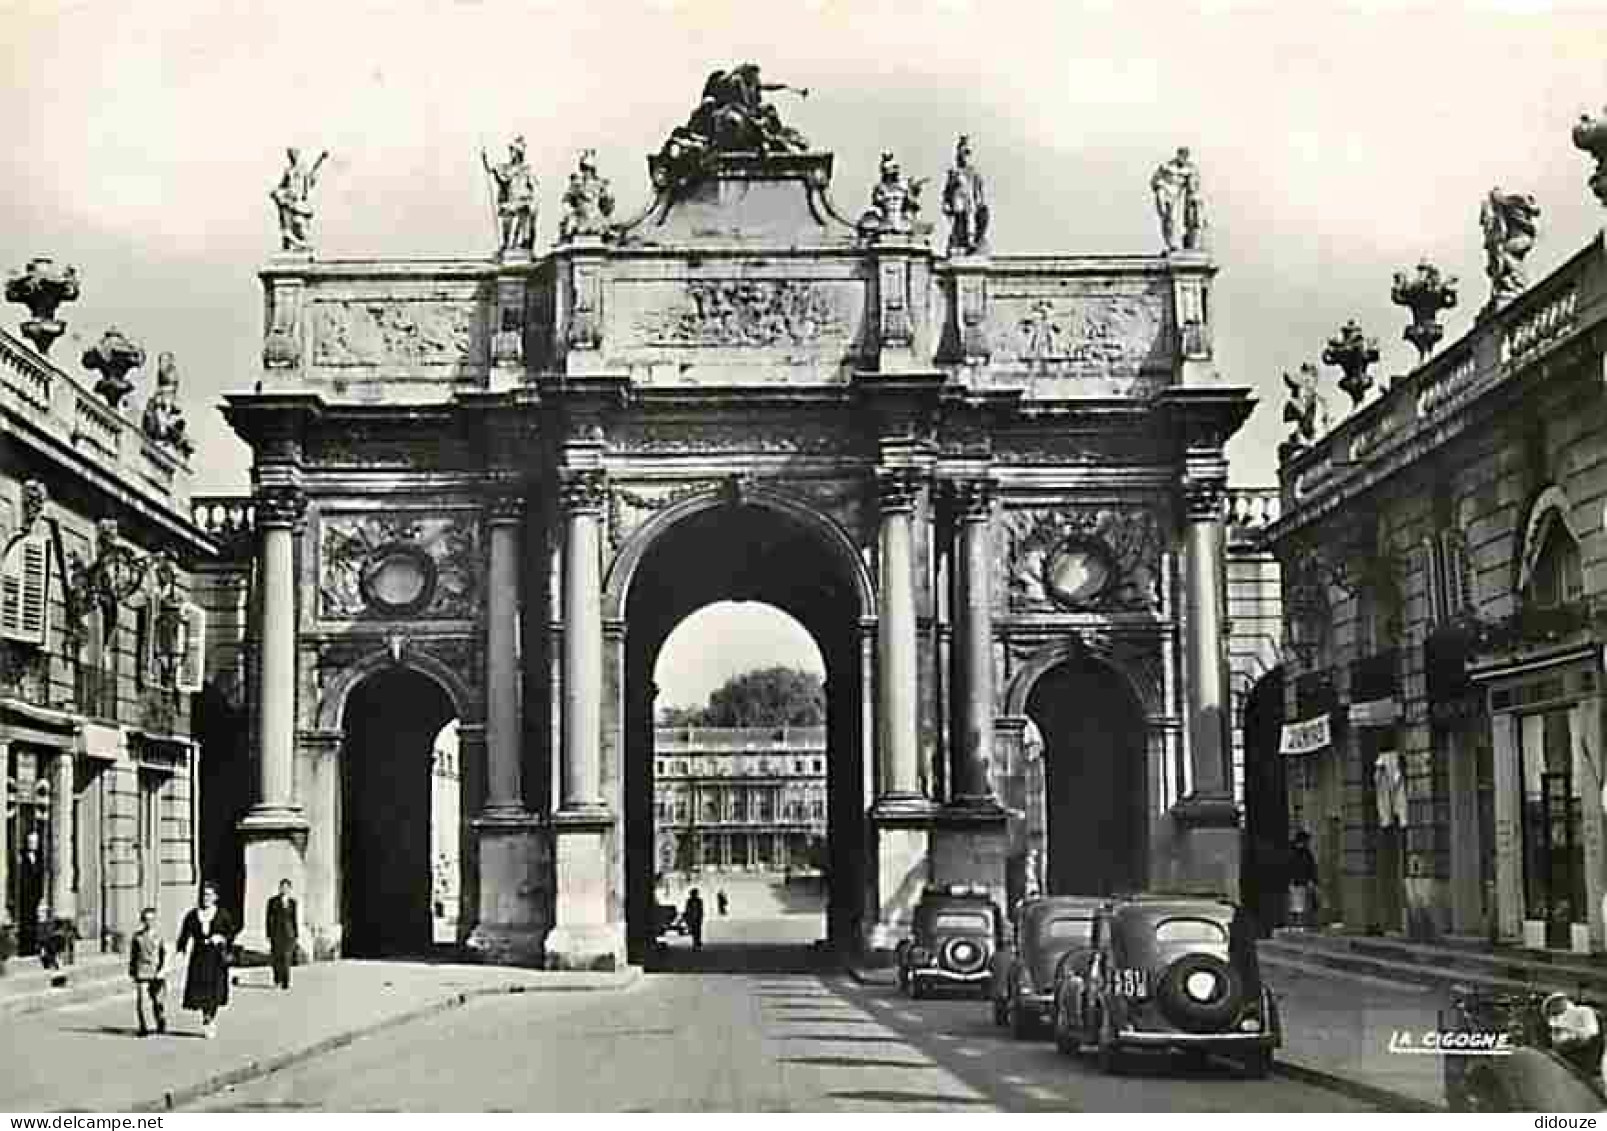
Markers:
211,930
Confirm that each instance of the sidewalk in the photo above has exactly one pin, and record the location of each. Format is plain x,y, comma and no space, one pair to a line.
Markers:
88,1058
1336,1031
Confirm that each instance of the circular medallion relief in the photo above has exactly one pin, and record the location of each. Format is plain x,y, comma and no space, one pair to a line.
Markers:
1078,572
398,579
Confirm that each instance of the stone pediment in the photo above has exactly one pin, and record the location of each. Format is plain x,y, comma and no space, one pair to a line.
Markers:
744,199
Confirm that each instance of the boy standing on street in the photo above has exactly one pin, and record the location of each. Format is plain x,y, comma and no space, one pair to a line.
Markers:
147,966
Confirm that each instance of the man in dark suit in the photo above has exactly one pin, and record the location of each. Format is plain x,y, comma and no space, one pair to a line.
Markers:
283,930
30,872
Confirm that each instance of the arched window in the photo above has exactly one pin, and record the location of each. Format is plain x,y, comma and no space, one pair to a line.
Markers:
1558,578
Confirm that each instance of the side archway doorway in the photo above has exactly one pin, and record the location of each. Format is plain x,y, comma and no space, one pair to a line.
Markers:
1095,758
391,722
1263,871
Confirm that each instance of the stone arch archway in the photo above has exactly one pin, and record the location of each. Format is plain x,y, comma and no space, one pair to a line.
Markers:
758,545
1089,814
332,702
388,714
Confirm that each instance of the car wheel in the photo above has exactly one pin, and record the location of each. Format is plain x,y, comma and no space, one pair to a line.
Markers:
916,990
1020,1024
1258,1063
1001,1016
1107,1056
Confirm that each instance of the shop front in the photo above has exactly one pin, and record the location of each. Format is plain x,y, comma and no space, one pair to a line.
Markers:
1545,718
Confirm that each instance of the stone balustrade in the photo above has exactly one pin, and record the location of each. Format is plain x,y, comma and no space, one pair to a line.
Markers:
1508,345
109,441
1252,508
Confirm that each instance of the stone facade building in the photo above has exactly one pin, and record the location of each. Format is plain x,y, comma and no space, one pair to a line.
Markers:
739,798
1444,563
101,645
992,488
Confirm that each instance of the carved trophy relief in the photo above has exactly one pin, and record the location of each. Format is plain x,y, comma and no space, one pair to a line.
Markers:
1076,559
398,565
752,313
407,332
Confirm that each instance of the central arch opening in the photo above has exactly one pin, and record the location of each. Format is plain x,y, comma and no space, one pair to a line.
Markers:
750,553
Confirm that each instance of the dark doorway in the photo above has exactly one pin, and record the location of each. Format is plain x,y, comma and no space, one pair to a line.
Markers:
1263,871
1094,760
392,720
747,552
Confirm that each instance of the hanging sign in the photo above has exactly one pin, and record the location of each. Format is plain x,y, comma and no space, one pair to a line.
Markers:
1306,737
1375,713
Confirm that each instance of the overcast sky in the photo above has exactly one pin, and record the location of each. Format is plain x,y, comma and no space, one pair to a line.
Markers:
1338,144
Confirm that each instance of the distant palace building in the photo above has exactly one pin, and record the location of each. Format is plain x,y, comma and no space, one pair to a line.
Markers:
739,798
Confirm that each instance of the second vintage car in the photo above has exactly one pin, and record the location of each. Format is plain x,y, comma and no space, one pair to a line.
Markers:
956,931
1168,973
1045,929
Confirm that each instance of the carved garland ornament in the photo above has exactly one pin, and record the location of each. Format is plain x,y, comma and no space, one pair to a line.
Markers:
1083,559
394,564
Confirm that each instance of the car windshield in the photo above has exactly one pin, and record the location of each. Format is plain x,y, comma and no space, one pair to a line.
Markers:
1190,931
959,921
1068,930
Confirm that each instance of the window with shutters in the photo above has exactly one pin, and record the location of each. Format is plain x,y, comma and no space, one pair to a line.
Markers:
1448,582
1558,578
25,590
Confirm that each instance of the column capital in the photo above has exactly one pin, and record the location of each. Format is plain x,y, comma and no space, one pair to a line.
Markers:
582,490
970,499
504,506
1203,499
897,489
280,505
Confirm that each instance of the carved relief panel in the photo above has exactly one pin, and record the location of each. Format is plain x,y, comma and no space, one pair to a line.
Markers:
1081,559
399,565
394,332
1088,339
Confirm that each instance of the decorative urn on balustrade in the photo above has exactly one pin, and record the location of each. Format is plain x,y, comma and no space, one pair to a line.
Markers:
1425,294
112,357
1352,351
42,286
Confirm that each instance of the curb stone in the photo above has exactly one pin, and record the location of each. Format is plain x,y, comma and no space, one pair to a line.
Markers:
1354,1089
174,1098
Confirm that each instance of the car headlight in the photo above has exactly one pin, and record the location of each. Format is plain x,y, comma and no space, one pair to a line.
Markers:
1250,1025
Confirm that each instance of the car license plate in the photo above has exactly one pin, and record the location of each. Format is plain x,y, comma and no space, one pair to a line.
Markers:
1129,982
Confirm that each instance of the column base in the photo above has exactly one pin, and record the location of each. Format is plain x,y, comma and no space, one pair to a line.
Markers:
1202,853
586,933
902,832
274,841
969,845
511,915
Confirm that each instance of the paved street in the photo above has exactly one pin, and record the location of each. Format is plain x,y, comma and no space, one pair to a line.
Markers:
739,1027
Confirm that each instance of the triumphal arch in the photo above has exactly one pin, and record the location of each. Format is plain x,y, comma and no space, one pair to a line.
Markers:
487,489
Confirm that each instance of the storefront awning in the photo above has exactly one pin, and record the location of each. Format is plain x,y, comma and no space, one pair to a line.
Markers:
1308,736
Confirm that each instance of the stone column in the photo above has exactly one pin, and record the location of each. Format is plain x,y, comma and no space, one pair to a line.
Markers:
972,745
585,495
899,735
63,901
508,912
588,932
274,830
1205,643
902,814
1207,851
504,773
1584,723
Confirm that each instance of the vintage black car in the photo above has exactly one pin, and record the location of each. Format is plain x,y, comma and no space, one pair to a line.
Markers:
1022,982
1168,973
955,933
